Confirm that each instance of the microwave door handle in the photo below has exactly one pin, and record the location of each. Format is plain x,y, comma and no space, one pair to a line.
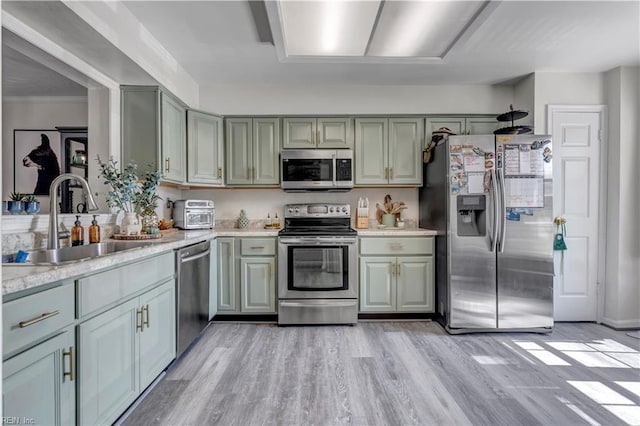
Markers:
335,170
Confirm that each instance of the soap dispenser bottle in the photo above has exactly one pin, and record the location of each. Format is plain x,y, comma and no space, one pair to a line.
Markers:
94,231
77,233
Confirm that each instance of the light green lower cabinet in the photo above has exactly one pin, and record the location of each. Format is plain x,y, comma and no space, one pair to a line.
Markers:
226,275
122,351
377,284
39,384
246,275
258,284
414,284
396,274
157,341
108,368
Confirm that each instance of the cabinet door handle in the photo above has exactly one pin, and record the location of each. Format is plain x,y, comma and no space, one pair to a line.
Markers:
313,137
386,173
219,172
139,323
69,373
145,321
167,164
254,172
23,324
248,172
393,269
398,269
391,173
318,138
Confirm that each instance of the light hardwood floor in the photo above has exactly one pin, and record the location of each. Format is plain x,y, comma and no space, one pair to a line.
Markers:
397,373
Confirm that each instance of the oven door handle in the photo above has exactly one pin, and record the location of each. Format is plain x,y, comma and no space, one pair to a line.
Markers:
316,240
310,304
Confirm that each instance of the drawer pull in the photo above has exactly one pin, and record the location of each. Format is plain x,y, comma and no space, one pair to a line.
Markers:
396,246
42,317
167,163
146,321
70,372
219,172
257,247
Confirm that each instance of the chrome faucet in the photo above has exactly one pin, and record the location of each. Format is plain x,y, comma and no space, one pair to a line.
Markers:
53,241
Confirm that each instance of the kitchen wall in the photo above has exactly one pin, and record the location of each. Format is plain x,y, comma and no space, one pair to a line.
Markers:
524,99
278,100
622,286
36,113
565,89
260,202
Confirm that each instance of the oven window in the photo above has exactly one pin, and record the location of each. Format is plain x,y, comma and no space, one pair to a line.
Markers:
318,268
196,219
300,170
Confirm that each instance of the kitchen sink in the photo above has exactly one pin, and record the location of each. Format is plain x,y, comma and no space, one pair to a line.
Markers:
65,255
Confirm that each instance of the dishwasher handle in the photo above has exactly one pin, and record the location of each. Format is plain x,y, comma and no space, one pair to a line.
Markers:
195,256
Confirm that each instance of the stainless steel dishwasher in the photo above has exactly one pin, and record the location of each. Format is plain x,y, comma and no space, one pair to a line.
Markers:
192,293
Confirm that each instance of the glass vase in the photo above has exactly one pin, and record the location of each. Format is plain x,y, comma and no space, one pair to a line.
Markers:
149,220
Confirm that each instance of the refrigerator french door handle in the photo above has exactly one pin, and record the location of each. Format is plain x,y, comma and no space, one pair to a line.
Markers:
496,211
503,216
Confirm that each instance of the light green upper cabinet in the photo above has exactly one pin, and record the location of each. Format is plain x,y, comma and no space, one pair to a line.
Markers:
173,139
323,132
371,151
153,131
205,144
480,125
40,383
253,149
387,151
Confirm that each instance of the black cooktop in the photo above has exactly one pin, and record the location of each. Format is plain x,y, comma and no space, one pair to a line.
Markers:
317,231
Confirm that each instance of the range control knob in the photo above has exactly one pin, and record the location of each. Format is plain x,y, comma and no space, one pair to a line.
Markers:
297,210
290,210
331,209
344,209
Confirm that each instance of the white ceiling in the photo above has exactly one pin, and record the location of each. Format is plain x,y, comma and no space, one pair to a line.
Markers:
224,43
23,76
218,43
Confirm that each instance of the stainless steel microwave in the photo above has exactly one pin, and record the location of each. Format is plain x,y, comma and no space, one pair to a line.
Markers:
316,169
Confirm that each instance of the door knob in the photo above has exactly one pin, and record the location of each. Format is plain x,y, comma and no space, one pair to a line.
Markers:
558,220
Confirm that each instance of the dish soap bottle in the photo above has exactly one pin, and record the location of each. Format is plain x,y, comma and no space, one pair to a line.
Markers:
94,231
77,233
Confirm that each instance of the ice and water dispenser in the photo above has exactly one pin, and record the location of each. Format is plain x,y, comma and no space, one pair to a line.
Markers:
472,214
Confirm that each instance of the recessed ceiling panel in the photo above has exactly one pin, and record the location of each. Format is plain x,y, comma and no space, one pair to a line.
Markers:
327,28
425,29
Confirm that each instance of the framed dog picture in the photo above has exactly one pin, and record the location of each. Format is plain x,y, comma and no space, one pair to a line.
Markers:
37,160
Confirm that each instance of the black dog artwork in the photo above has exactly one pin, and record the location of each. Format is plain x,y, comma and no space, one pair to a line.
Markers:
46,161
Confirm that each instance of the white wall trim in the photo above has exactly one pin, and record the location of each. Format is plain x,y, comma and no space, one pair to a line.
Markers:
622,325
44,99
602,209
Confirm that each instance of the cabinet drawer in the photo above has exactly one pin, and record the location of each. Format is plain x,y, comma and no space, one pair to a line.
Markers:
104,288
258,246
396,245
35,316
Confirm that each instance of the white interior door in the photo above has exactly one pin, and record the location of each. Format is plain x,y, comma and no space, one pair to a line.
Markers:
576,133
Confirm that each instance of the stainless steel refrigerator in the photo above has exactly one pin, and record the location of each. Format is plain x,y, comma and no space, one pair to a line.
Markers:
490,197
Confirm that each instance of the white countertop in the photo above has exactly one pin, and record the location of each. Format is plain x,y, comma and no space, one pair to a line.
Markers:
396,232
25,276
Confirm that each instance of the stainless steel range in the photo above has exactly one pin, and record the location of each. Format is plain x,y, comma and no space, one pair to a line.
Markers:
317,265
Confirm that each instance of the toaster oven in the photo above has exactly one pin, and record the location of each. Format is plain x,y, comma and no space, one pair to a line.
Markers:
194,214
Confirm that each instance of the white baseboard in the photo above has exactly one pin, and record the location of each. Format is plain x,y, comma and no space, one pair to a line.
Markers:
622,324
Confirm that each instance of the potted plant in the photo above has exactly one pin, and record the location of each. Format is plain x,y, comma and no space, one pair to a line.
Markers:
16,205
31,204
128,194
